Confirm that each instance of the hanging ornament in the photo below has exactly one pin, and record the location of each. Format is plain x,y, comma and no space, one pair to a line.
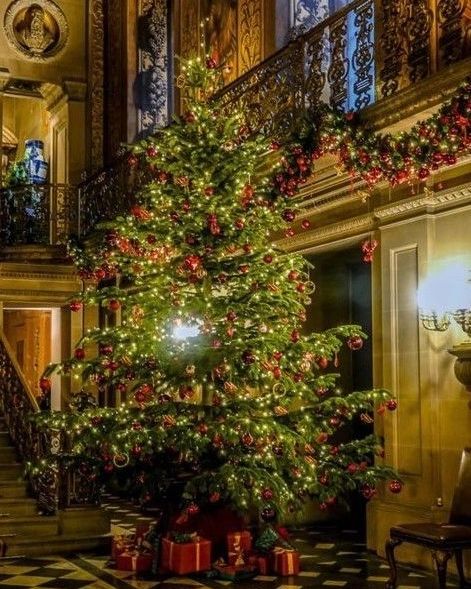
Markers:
114,305
192,262
247,439
248,357
268,514
213,225
355,342
367,248
267,494
79,353
75,306
391,404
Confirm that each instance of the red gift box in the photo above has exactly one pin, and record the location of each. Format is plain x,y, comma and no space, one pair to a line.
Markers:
285,562
120,544
261,561
133,561
190,557
239,541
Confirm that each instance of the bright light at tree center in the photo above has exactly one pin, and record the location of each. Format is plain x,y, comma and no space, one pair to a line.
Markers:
184,331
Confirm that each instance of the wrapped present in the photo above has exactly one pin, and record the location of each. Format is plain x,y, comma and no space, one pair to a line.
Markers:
134,561
120,544
261,562
285,562
271,538
235,573
239,542
184,558
142,529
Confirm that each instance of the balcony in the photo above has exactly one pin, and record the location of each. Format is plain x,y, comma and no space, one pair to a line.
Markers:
38,214
389,59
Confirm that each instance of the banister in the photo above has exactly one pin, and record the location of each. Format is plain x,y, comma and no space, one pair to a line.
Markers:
24,382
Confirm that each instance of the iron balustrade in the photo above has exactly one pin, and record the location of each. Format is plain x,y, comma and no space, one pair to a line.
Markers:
43,214
67,481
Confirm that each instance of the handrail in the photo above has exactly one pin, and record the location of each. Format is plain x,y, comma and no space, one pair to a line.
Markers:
44,214
16,366
66,481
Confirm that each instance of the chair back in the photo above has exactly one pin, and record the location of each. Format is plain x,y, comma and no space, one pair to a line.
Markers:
460,513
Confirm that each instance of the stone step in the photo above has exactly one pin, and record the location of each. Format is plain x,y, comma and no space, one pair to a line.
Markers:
5,439
72,544
7,454
11,471
13,507
13,489
28,527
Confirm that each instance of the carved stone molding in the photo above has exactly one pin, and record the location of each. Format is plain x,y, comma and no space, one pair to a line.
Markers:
427,201
250,34
36,30
153,66
96,81
329,233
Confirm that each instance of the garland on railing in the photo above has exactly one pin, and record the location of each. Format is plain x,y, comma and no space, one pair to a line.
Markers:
413,155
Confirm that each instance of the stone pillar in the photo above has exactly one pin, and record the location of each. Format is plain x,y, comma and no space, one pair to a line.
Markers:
4,78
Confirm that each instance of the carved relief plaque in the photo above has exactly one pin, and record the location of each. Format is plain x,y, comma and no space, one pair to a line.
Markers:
38,30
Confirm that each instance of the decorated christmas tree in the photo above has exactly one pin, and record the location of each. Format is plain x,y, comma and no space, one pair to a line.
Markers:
228,401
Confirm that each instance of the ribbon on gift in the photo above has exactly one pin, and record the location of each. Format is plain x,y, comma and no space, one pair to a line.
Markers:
198,555
289,559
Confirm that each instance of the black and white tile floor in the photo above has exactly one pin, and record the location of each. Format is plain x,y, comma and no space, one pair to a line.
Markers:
328,559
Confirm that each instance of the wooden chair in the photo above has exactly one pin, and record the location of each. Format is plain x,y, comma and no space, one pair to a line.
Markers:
444,540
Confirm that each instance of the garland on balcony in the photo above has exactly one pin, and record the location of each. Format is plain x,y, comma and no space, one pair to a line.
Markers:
414,155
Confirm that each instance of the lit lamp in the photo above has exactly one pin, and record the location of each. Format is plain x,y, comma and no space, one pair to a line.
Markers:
445,297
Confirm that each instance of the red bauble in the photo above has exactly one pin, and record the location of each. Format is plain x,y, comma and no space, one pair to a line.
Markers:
322,361
140,213
45,384
193,509
214,497
211,63
306,224
151,151
114,305
189,117
79,353
267,494
289,215
355,343
248,191
75,306
268,259
248,357
105,349
368,491
300,287
239,224
289,232
395,487
293,275
275,145
391,404
295,336
202,428
277,372
133,161
247,439
99,274
352,468
277,356
244,268
186,392
192,262
208,191
231,316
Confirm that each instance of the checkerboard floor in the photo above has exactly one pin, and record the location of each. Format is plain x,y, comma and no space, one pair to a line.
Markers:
329,559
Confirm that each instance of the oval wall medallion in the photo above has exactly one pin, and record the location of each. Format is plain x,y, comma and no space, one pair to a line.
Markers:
37,30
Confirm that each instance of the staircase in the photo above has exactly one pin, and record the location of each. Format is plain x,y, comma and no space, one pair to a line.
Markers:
22,530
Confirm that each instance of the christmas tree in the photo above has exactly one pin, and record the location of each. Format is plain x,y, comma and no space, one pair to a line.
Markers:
228,402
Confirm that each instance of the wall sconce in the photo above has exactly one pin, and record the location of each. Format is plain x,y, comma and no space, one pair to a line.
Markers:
445,297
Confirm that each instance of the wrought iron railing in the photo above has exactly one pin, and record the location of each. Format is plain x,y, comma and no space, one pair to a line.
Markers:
67,481
46,214
366,51
109,192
